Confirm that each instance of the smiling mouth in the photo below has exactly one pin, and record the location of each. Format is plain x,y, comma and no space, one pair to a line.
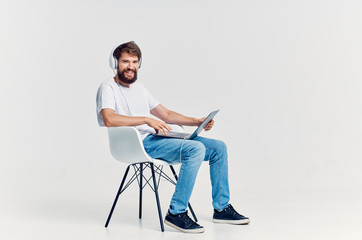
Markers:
129,74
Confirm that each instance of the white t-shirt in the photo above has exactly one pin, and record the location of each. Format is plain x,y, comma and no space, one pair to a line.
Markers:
134,101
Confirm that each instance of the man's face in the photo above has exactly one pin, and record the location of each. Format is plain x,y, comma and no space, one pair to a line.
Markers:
127,68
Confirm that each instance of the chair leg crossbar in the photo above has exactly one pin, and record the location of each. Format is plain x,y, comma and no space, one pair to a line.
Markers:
139,176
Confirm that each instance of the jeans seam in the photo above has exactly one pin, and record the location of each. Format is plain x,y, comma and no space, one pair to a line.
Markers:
218,172
185,154
181,173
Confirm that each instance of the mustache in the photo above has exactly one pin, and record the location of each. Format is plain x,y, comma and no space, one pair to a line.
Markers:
128,69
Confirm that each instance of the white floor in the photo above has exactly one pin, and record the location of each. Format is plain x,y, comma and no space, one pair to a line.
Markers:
287,214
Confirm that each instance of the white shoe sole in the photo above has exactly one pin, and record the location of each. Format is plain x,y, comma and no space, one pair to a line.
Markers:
197,230
236,222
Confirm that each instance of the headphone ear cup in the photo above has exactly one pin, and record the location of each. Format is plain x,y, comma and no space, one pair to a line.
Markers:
113,63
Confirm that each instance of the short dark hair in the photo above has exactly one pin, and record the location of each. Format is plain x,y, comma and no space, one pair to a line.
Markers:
128,47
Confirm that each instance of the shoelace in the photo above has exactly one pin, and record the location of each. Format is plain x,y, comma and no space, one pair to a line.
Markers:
231,210
188,221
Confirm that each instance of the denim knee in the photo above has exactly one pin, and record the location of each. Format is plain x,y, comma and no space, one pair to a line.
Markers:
221,146
218,152
197,151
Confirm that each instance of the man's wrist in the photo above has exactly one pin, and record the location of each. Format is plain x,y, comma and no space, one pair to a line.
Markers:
196,122
145,120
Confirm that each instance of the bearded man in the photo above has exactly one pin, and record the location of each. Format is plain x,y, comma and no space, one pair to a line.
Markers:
122,101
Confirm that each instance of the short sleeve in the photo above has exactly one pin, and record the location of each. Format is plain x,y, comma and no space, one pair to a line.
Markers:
105,98
152,102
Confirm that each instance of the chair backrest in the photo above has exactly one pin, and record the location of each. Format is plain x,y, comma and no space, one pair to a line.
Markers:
126,145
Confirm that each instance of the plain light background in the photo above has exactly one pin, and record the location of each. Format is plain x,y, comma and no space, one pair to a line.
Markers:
285,74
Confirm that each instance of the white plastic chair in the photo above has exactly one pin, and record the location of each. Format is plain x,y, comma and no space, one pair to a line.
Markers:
126,146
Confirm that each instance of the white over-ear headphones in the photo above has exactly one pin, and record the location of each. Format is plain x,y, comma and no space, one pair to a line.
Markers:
113,61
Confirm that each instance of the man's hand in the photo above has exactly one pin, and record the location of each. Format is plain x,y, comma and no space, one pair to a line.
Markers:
159,126
208,126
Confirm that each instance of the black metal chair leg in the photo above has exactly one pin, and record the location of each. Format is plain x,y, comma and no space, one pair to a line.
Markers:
141,186
157,199
189,205
116,199
192,212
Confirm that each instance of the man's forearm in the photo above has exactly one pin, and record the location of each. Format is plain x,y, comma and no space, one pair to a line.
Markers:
116,120
176,118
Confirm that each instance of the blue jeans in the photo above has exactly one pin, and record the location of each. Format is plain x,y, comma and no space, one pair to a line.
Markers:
191,153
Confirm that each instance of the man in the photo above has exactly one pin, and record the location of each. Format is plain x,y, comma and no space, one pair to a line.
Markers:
121,101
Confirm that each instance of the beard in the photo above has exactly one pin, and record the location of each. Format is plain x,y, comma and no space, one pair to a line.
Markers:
122,76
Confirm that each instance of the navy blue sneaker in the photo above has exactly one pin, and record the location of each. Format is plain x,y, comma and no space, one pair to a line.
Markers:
183,223
229,215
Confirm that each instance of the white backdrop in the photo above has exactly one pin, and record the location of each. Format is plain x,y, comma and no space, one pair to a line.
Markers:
285,74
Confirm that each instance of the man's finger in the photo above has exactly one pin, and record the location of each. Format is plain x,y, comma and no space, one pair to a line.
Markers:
164,132
168,127
161,130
